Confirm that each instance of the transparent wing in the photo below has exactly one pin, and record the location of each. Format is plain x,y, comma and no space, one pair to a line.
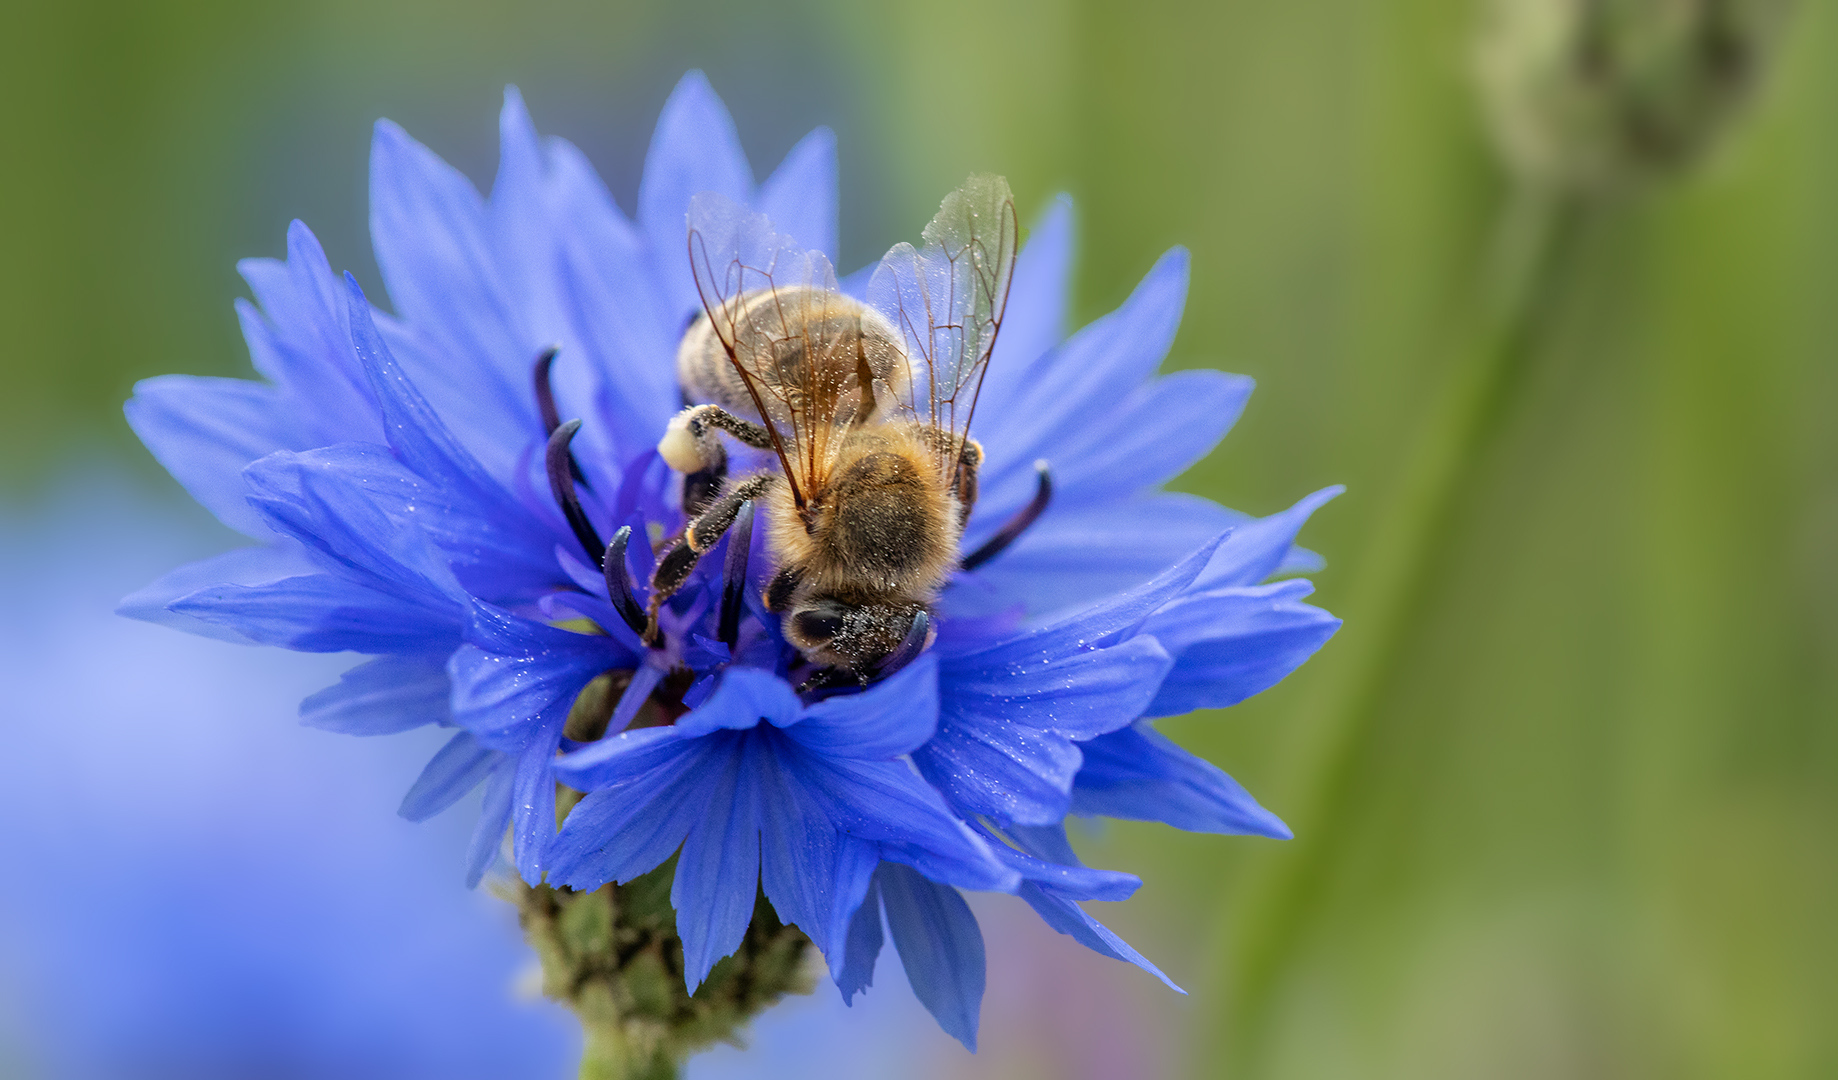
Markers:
946,300
794,340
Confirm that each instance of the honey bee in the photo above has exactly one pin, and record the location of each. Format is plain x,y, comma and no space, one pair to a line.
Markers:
866,406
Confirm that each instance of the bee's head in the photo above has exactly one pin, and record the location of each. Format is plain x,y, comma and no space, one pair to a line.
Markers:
856,637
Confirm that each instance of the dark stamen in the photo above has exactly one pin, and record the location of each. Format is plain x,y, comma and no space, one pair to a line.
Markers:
562,484
1018,524
545,404
734,573
619,582
910,646
545,394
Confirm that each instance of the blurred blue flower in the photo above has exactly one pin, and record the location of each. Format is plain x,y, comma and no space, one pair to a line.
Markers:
410,481
200,888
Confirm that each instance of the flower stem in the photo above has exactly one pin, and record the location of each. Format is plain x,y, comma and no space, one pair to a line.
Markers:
612,955
1392,595
608,1049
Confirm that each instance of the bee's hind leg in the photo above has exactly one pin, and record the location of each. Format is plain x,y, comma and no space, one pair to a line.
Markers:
707,528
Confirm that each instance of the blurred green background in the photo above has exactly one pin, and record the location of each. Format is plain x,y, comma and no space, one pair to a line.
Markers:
1589,827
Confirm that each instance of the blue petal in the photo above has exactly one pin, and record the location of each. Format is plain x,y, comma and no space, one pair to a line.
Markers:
381,697
343,528
300,339
743,698
503,554
533,804
556,233
323,613
894,717
1004,743
1079,384
1011,711
515,678
940,947
615,328
1300,560
861,946
1082,630
1255,549
423,444
717,873
1151,435
1035,319
886,803
634,696
1156,432
455,770
242,566
1068,877
619,832
1045,842
799,857
1073,554
204,430
1140,774
494,818
1232,643
1079,696
427,225
800,196
1063,914
695,149
618,760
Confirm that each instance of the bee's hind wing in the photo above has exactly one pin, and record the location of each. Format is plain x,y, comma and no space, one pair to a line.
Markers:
947,301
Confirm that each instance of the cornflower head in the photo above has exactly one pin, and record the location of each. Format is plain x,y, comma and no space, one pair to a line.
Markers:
590,620
1594,97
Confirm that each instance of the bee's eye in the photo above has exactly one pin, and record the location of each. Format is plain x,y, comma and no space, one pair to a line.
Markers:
816,626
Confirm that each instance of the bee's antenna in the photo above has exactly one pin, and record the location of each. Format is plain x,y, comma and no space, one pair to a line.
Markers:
561,483
619,582
1007,534
734,574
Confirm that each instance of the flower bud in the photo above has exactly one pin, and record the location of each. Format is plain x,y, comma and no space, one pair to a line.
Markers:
1592,96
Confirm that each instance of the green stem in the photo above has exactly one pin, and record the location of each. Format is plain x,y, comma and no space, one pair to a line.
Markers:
612,955
609,1050
1391,599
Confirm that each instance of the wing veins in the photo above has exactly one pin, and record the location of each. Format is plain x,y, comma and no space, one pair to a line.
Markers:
737,270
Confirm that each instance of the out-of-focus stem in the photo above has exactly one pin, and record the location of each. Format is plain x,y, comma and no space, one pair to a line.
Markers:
612,955
608,1051
1393,592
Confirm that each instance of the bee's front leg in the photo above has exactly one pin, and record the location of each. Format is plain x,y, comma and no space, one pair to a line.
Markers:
690,445
703,532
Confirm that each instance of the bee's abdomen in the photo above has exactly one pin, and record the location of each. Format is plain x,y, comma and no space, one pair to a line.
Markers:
890,525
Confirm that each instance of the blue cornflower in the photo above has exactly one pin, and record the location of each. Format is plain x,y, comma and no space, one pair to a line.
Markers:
420,500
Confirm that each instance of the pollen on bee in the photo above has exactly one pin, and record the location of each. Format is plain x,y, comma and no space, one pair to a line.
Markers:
678,446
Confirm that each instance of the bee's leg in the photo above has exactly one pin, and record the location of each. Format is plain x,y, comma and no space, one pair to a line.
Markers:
689,444
701,487
674,568
969,463
784,585
1015,526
